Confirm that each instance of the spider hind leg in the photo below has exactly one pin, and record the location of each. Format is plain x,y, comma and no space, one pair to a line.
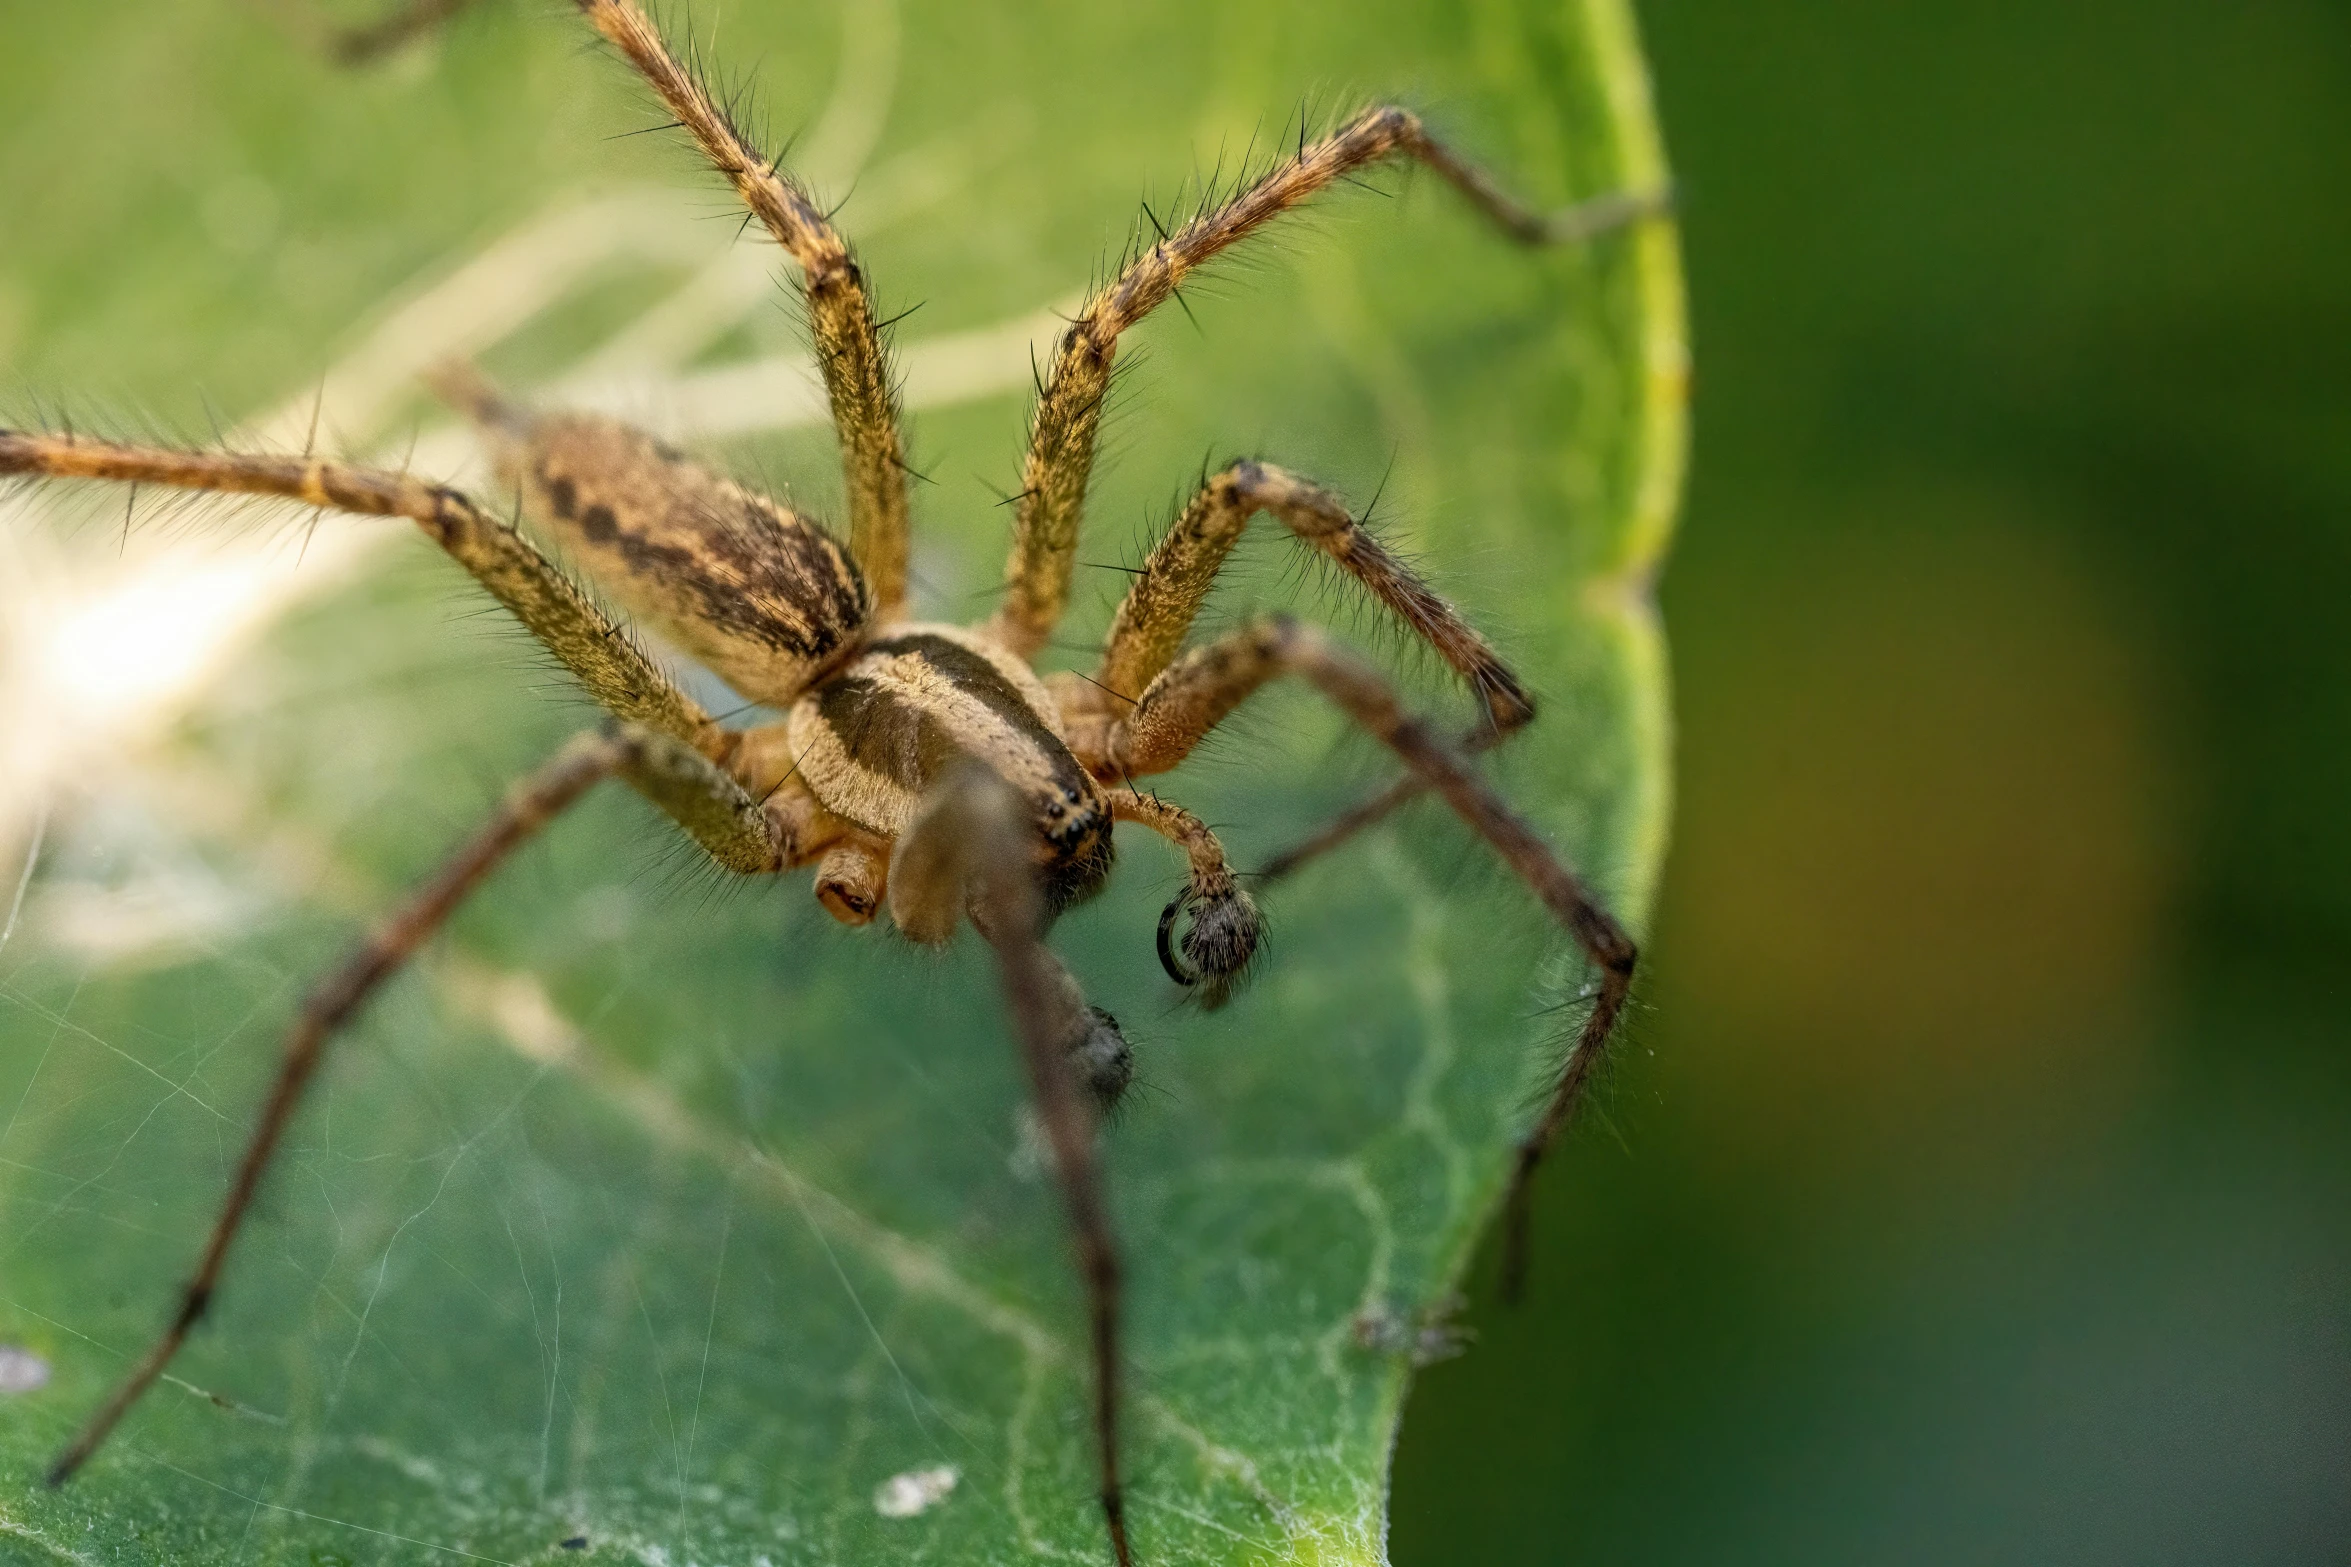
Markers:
852,350
1065,427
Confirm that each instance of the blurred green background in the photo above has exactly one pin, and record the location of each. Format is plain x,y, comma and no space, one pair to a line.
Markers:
1978,1188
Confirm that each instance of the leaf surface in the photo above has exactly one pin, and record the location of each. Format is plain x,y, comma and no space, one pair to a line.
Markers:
667,1217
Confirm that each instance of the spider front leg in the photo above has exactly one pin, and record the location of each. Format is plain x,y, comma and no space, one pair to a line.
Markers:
1354,819
1198,691
1165,597
694,792
1157,613
1063,431
617,673
972,852
938,874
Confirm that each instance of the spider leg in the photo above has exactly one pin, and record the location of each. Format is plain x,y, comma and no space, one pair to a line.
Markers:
849,346
402,24
971,845
1157,613
1166,595
748,836
617,672
1200,689
1362,814
692,790
1062,432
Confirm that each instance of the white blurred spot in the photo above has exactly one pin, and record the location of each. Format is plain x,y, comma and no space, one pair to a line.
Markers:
915,1492
22,1371
522,1011
152,920
1031,1155
137,646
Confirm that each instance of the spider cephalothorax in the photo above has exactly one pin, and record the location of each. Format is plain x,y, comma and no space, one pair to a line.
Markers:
875,739
925,767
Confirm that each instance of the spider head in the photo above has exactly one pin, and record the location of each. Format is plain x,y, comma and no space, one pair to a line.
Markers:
1073,824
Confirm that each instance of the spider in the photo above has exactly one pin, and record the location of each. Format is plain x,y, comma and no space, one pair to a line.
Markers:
923,768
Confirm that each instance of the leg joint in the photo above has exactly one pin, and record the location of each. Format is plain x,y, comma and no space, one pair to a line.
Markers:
1613,949
453,515
1243,480
1280,635
1391,122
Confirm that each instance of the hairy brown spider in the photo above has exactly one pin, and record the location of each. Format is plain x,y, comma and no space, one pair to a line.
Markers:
923,768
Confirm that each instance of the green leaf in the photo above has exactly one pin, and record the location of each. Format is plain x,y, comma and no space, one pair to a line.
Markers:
672,1217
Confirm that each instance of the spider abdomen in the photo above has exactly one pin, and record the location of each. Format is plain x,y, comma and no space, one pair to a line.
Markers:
873,739
755,592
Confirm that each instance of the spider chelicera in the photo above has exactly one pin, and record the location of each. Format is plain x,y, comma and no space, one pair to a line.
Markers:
922,768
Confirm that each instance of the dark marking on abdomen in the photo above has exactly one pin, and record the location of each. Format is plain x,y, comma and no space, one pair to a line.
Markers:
760,594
